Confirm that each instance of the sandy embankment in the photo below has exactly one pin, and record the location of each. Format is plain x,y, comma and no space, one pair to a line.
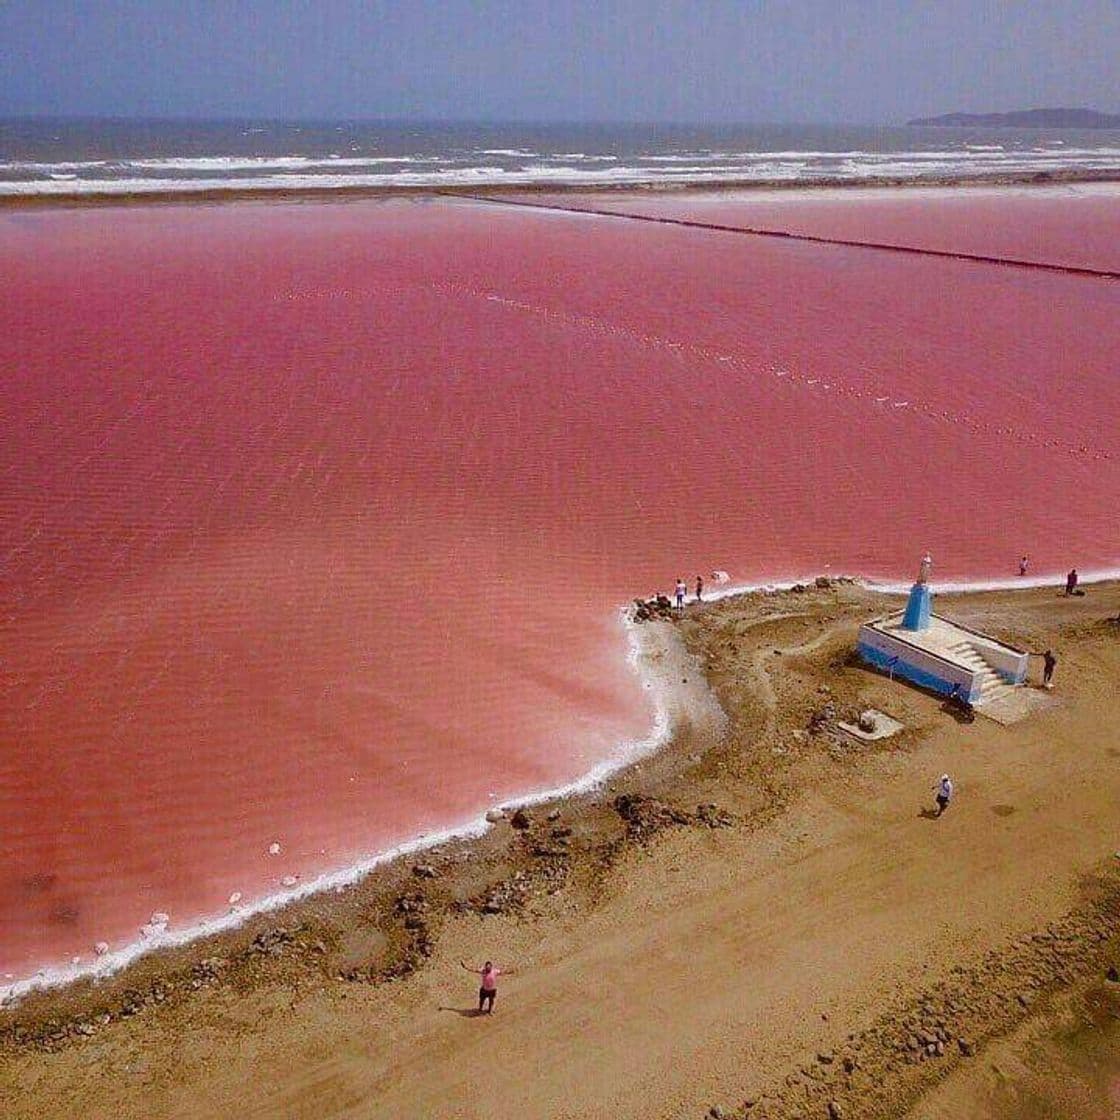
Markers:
813,943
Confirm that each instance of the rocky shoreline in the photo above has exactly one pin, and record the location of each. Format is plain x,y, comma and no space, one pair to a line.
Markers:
779,663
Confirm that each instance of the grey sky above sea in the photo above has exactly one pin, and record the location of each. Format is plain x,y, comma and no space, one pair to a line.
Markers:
575,60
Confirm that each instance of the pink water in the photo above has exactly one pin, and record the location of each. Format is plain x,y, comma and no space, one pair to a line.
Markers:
1075,225
314,519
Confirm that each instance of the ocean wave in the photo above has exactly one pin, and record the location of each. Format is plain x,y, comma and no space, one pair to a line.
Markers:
294,172
214,163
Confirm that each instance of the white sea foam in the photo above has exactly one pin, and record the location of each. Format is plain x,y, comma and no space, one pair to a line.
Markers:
159,936
286,172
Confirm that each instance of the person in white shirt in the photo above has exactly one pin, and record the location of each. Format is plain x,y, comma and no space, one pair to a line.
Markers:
944,790
682,591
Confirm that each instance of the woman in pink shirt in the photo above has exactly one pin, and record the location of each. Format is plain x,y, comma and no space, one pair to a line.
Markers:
488,990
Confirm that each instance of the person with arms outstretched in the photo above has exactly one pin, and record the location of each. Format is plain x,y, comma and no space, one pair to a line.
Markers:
488,986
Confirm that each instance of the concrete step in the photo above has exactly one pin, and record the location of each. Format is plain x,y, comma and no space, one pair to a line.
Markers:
994,693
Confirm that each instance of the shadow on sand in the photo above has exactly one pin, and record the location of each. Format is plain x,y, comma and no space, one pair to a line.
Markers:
466,1012
928,814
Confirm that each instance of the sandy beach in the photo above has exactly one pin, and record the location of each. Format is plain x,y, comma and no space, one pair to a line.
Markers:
758,921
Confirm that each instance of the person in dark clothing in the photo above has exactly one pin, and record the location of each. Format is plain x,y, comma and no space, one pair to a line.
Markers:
1048,663
944,791
699,589
1071,581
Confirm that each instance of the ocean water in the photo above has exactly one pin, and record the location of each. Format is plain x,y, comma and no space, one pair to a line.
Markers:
65,157
315,521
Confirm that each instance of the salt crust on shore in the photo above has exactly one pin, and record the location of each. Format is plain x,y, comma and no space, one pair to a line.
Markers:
658,660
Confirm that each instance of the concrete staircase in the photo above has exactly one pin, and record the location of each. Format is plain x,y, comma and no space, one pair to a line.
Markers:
992,685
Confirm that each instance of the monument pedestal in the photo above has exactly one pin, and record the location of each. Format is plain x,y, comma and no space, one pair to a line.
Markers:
918,608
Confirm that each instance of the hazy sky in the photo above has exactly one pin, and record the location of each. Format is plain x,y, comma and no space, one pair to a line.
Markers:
684,60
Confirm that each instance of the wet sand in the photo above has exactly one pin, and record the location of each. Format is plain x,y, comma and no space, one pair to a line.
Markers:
757,914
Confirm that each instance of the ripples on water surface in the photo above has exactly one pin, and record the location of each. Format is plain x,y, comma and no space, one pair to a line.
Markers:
315,520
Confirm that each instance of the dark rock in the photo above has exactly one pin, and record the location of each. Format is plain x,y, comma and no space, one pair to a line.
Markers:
965,1047
823,582
425,871
521,820
713,816
646,815
822,717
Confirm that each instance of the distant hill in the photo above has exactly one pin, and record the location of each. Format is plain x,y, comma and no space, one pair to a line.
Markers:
1026,118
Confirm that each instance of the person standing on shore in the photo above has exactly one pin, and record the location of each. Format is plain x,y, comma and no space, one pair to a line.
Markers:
699,589
488,986
682,591
1023,563
944,791
1048,663
1071,581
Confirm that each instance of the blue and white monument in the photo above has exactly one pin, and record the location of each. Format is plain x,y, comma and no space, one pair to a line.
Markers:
919,609
938,654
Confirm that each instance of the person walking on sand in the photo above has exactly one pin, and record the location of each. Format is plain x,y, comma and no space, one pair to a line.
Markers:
682,591
1071,581
944,791
699,589
1023,564
488,987
1048,663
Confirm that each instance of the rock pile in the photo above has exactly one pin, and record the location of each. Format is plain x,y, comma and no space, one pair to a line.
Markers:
659,607
822,719
646,816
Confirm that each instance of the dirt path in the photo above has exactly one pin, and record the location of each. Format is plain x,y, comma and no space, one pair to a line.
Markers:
719,963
